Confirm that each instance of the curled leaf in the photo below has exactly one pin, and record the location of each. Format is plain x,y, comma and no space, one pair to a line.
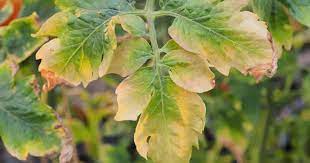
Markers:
189,71
134,25
51,80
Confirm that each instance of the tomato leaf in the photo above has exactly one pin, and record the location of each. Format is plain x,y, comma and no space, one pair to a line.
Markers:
300,10
189,71
27,126
169,113
129,56
273,12
134,25
224,35
16,41
44,8
85,39
162,83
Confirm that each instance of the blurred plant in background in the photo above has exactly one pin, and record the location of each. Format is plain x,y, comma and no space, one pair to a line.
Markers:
246,121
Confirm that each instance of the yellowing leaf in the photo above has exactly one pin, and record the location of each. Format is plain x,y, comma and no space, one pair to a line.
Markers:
85,39
224,35
134,94
77,55
189,71
171,120
16,41
129,56
27,126
54,26
132,24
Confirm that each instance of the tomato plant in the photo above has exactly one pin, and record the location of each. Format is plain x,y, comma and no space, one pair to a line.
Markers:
165,57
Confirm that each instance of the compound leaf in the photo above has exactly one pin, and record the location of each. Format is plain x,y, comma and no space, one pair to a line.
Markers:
224,35
27,126
16,41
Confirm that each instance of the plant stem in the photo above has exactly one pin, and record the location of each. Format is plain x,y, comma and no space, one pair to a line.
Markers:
152,30
153,38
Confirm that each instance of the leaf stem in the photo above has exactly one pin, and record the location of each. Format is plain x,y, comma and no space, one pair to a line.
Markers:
152,30
150,21
150,16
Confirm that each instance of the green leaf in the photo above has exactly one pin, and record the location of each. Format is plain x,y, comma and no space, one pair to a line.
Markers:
300,10
223,35
273,12
171,120
44,8
129,56
85,39
95,5
27,126
16,41
189,71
